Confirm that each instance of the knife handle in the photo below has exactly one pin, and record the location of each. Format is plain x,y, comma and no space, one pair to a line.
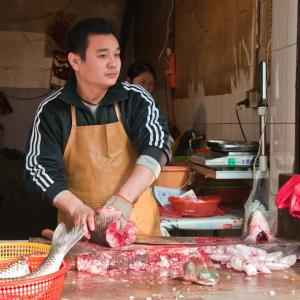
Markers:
47,234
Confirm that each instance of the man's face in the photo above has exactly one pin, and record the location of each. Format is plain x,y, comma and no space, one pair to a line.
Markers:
102,63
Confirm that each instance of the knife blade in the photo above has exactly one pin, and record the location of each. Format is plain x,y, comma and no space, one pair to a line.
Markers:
165,240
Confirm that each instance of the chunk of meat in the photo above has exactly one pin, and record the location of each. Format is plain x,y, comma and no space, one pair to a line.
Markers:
251,260
112,229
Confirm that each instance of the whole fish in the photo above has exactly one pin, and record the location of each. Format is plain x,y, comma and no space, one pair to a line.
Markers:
200,270
62,242
17,268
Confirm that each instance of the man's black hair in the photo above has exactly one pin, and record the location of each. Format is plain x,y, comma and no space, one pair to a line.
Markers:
138,68
77,38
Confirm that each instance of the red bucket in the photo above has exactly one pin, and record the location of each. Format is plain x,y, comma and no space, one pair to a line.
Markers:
204,207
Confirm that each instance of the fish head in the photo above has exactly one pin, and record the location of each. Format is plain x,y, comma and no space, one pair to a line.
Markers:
258,227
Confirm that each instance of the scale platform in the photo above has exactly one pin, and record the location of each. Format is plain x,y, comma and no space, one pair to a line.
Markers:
227,160
218,159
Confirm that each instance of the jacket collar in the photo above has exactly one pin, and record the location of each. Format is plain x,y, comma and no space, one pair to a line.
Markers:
115,93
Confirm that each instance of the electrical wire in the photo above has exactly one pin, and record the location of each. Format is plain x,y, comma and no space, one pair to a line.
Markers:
239,121
167,31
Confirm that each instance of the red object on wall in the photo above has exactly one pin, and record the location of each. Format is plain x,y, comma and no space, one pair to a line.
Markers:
170,68
60,65
58,30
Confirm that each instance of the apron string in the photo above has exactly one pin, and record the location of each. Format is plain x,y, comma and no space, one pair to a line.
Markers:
73,113
117,109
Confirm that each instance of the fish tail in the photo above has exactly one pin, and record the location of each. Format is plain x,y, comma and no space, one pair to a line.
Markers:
66,240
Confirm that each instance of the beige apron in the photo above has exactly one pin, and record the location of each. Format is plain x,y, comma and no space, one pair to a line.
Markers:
98,159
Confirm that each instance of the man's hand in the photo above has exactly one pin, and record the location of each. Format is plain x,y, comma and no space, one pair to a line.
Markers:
120,204
81,214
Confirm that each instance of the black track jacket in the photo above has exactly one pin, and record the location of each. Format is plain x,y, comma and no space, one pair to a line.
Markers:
147,130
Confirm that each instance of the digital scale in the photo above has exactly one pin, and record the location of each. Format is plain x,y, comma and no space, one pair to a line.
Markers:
226,160
230,159
229,154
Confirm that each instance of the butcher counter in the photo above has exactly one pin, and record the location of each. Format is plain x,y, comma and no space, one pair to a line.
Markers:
232,285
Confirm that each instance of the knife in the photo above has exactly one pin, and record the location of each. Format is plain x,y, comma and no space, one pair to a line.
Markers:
165,240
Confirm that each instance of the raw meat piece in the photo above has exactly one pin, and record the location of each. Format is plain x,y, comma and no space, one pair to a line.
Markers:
112,229
169,260
163,261
250,259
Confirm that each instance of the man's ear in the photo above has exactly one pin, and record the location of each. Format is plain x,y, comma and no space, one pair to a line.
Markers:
74,60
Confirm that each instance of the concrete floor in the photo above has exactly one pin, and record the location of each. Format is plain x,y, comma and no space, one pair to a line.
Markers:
232,285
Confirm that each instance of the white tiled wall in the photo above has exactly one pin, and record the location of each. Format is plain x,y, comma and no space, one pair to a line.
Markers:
22,60
283,80
220,113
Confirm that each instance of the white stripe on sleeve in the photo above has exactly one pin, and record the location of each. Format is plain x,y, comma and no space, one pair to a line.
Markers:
152,123
39,175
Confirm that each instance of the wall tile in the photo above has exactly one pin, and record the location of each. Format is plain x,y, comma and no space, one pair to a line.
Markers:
290,148
214,131
226,132
227,109
278,134
248,115
213,108
277,166
236,133
33,78
24,52
8,77
291,84
277,155
292,22
277,100
279,24
272,217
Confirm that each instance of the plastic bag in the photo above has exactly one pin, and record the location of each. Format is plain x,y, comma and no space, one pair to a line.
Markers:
289,196
257,200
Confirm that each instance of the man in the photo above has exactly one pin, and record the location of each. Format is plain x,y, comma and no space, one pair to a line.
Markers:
97,141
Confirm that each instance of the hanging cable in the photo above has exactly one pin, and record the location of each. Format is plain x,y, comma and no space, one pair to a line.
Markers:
168,30
238,106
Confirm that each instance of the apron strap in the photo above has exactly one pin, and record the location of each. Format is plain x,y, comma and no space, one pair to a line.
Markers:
73,116
117,109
